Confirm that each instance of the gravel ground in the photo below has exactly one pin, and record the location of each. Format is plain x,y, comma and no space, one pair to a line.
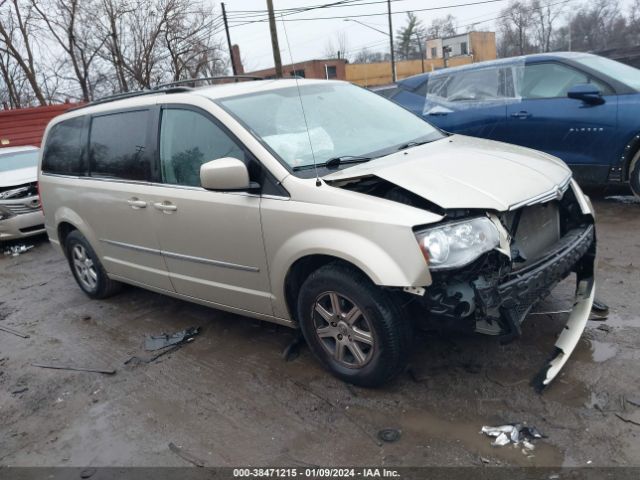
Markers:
229,399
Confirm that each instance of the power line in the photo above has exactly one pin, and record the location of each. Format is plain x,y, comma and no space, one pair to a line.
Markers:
481,2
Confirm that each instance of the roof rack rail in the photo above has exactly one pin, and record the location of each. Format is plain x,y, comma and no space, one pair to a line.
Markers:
170,87
138,93
204,79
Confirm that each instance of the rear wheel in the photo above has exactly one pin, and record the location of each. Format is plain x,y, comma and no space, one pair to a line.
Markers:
87,269
634,174
353,327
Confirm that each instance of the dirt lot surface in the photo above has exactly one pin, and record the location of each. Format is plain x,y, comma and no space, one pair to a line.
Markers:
229,399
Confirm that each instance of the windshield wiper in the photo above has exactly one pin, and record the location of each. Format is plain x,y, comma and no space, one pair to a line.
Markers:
412,144
335,162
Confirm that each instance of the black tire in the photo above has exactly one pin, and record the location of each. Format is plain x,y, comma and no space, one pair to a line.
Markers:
634,175
391,333
104,287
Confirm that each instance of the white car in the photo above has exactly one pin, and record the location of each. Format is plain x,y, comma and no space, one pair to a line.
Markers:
20,212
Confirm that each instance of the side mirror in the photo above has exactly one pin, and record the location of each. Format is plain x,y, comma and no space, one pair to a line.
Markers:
587,92
225,174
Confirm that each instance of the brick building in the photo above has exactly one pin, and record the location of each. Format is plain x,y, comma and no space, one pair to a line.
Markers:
25,126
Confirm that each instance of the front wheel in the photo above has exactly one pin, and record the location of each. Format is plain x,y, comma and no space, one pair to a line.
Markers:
353,327
87,269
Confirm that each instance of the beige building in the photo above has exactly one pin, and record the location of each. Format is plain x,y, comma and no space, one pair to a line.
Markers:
480,46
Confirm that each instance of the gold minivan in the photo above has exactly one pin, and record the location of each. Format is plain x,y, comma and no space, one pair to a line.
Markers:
318,205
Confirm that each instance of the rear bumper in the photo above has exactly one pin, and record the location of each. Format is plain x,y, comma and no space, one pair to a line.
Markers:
22,226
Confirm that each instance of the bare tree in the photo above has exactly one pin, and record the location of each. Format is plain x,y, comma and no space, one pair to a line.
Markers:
442,27
515,29
367,56
16,28
70,23
545,14
339,49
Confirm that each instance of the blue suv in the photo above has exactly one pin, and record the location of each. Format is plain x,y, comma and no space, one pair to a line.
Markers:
582,108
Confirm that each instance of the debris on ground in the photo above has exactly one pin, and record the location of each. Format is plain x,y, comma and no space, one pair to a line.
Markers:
603,327
87,473
635,401
19,391
185,455
166,343
106,371
513,433
292,351
389,435
629,417
164,340
14,332
600,309
15,250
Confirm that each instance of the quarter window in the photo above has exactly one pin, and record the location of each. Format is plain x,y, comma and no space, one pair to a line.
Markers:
63,148
118,146
552,80
187,140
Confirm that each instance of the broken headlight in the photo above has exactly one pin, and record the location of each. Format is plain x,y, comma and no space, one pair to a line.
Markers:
458,243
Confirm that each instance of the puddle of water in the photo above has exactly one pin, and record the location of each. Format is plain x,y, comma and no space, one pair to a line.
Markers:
589,350
420,427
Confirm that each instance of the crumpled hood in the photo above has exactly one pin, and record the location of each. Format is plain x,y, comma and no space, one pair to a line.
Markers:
466,172
17,177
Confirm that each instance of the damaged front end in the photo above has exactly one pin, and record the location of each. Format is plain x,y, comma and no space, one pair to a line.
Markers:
20,211
542,243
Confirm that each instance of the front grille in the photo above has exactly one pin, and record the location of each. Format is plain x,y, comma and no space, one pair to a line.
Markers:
29,206
534,230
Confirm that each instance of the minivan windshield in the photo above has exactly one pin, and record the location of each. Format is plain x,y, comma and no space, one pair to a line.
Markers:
18,160
342,122
621,72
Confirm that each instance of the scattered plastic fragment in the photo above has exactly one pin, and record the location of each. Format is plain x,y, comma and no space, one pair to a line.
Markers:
14,332
513,433
633,418
389,435
15,250
635,401
106,371
185,455
87,473
166,343
157,342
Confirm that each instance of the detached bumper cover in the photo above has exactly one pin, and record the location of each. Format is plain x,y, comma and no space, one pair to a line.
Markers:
571,333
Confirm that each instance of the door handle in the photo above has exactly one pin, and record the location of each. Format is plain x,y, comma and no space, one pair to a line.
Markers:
136,203
165,207
522,115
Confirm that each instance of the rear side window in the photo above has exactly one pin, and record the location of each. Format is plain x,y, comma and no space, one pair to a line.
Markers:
118,146
63,153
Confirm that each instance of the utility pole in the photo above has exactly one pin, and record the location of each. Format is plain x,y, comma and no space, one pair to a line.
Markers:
421,51
393,56
226,29
274,40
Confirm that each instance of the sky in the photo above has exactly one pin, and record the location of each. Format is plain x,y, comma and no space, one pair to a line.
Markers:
308,39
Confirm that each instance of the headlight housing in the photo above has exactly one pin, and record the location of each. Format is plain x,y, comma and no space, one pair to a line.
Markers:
457,243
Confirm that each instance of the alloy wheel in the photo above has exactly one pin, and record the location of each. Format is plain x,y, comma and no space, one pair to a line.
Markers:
343,329
85,270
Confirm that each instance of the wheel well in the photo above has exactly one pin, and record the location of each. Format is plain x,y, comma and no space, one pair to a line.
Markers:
64,229
630,151
300,270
